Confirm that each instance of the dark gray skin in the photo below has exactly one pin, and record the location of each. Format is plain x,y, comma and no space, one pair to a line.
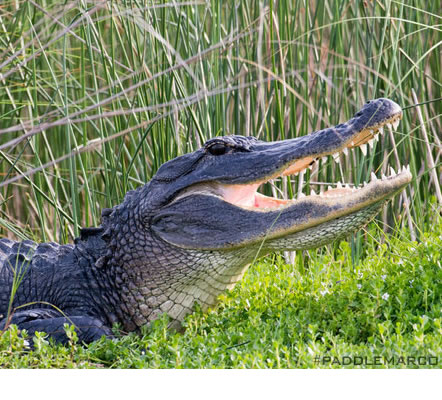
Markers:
184,238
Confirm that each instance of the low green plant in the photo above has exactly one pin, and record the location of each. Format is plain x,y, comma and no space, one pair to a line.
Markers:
383,312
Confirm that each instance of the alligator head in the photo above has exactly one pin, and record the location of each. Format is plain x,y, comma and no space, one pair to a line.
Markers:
192,231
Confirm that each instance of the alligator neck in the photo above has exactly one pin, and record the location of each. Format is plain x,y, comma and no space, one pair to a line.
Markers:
167,279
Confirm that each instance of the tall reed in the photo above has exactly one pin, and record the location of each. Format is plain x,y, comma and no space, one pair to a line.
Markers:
95,96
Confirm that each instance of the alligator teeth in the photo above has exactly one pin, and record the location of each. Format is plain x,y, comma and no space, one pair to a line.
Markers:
371,143
383,176
352,143
376,137
403,169
392,171
312,193
381,130
364,184
389,126
373,176
329,188
363,147
339,185
395,124
324,159
345,151
301,195
336,157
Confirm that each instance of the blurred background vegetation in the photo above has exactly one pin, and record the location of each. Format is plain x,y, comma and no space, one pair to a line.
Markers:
96,95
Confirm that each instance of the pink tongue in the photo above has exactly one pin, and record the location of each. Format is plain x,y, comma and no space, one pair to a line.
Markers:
241,195
262,201
246,196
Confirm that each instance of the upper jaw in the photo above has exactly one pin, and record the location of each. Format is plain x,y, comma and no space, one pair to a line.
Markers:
363,130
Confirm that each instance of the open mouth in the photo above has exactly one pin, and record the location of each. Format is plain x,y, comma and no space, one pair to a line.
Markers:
247,196
216,203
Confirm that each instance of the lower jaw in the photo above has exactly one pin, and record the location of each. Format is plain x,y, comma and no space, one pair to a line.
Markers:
326,232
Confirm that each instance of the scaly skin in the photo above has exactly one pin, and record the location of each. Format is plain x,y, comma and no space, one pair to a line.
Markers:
190,233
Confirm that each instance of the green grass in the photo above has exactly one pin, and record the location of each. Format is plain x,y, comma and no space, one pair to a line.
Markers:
94,97
385,311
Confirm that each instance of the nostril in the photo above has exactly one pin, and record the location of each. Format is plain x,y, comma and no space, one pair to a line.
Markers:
368,102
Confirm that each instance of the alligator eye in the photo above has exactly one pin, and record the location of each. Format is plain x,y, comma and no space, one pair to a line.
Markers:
217,149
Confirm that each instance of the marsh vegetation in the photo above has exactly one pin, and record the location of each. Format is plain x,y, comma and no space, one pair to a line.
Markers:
95,96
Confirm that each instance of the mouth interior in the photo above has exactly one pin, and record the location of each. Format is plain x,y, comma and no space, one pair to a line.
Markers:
246,195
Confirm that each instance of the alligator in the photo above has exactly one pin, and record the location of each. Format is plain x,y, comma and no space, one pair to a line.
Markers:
191,232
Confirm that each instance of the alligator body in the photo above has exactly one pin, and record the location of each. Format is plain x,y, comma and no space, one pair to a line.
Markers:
190,233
